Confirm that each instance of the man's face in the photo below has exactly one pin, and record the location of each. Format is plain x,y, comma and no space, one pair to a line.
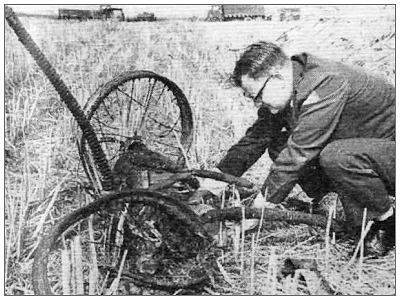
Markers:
272,90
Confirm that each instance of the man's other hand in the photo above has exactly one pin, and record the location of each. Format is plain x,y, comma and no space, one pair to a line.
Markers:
260,202
214,186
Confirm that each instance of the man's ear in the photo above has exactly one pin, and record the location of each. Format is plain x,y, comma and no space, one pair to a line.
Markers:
283,71
260,79
275,70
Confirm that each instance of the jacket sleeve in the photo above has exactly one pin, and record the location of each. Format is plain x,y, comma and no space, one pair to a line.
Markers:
318,118
249,149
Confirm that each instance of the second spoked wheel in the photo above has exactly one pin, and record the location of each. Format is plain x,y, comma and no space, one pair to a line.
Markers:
138,105
140,237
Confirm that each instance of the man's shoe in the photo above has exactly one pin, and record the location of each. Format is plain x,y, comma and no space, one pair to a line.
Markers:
381,238
316,208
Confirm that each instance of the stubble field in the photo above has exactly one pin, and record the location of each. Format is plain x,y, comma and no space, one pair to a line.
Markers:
42,170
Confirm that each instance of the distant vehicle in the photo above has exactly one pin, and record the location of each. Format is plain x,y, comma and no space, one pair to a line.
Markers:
108,12
289,14
77,14
145,16
105,12
228,12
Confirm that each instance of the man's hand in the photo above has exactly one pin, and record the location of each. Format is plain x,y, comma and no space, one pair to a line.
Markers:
214,186
260,201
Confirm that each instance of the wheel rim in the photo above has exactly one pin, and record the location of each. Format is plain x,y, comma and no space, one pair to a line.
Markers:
77,257
139,104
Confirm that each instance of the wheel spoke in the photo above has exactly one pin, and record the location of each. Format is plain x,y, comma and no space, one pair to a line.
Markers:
149,90
147,104
151,118
122,129
169,131
136,100
113,156
107,111
159,97
130,102
103,124
165,144
117,134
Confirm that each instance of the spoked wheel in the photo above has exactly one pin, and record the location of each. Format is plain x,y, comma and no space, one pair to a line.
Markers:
116,241
138,105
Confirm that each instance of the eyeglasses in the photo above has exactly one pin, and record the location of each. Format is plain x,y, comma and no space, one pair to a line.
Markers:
247,95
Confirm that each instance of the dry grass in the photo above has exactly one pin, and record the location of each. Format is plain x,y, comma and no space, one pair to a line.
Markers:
43,178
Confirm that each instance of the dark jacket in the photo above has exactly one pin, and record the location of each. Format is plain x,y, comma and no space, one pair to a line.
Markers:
330,101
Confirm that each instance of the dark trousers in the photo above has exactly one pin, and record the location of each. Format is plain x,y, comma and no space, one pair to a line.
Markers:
361,171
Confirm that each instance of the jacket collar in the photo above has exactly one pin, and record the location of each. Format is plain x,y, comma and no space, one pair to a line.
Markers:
298,63
299,66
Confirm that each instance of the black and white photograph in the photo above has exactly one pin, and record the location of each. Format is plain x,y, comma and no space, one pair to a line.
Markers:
199,149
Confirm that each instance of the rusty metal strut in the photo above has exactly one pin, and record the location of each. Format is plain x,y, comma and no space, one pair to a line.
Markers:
65,94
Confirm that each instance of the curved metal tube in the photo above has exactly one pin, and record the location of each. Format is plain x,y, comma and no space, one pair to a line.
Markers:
66,96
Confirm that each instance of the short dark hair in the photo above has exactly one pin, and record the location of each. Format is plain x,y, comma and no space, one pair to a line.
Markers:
257,60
